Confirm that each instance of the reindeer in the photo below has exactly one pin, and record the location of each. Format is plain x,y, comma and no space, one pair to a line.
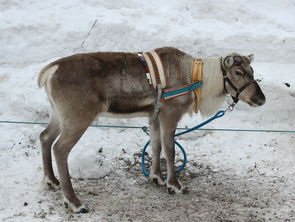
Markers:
83,87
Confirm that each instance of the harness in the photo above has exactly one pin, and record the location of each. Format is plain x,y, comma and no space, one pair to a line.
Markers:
157,77
238,91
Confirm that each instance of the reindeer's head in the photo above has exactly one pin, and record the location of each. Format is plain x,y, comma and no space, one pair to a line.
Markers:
239,80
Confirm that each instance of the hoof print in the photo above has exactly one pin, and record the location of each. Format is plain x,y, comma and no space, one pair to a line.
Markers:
66,205
52,186
185,191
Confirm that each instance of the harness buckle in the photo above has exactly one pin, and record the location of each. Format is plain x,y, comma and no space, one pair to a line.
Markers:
231,107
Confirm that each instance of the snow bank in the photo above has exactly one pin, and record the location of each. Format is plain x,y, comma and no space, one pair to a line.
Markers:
35,31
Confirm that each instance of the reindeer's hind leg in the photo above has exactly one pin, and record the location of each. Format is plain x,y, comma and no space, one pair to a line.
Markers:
47,137
155,135
73,126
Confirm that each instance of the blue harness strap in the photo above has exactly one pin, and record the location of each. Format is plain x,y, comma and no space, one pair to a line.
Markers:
174,92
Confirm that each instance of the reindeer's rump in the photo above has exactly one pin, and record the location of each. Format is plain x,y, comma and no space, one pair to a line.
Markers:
116,80
108,73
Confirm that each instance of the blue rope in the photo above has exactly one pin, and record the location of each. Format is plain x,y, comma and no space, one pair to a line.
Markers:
144,127
147,173
216,116
181,168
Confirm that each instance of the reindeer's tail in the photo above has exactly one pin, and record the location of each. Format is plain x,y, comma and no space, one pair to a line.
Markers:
45,73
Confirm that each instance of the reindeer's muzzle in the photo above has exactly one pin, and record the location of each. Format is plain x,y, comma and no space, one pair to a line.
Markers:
258,99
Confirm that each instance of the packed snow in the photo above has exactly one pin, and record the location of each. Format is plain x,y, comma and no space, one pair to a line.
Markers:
232,176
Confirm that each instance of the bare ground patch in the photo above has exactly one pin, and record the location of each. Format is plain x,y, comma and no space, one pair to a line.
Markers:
215,195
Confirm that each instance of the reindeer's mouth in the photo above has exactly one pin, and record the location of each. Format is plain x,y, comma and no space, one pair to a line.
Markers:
253,104
257,101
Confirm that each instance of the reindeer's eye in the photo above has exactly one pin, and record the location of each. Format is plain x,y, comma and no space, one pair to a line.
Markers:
239,73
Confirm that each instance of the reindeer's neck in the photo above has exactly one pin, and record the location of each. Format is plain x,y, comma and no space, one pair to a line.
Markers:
212,94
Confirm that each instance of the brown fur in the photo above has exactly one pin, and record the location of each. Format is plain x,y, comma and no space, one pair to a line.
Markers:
84,86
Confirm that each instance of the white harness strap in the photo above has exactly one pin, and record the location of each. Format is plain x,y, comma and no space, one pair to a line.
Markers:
156,68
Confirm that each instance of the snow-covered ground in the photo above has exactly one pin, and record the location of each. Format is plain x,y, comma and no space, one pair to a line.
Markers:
232,176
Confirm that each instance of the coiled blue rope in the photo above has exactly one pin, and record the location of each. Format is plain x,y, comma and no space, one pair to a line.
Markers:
181,168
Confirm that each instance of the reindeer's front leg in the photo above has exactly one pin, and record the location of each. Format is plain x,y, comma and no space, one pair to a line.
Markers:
168,124
155,135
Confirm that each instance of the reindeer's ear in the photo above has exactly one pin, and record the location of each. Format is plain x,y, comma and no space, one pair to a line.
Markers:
251,58
228,61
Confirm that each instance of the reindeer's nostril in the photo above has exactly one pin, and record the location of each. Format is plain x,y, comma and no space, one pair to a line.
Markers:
259,100
262,100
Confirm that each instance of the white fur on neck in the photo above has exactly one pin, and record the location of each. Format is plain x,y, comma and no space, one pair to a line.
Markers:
212,93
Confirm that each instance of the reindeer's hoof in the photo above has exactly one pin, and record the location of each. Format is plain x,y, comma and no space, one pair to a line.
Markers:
81,209
158,180
174,186
49,184
84,211
170,190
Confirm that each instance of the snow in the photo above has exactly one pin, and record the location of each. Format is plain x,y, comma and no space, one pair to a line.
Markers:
104,163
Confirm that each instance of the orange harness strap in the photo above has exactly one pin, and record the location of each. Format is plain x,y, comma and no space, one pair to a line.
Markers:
197,76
